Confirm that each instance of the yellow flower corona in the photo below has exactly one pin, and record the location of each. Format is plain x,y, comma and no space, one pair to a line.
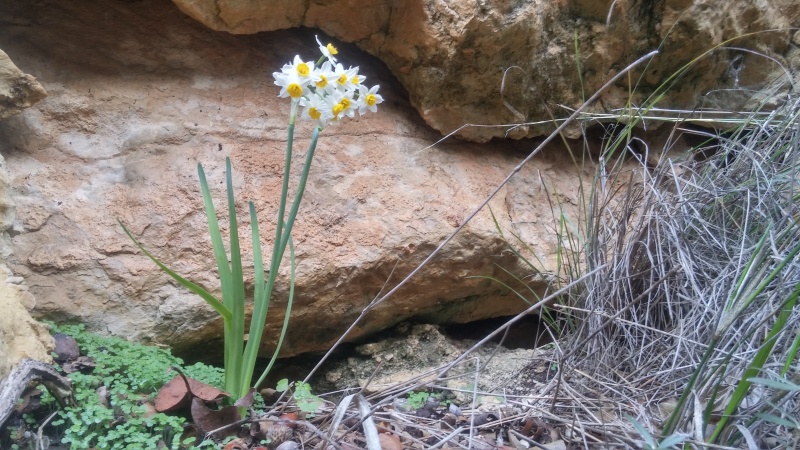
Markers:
371,100
332,49
294,90
345,102
314,113
303,70
337,109
342,79
323,81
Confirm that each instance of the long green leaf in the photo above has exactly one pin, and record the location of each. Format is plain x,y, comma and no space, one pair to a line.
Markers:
224,271
236,294
260,298
205,295
286,315
776,384
258,260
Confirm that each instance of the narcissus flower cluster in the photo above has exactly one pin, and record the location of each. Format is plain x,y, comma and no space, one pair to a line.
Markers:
325,90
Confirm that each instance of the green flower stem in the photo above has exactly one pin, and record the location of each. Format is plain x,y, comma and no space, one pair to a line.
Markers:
284,187
281,238
289,304
301,187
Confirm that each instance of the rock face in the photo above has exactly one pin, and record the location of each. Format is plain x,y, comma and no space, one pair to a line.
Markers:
20,335
451,55
17,90
140,93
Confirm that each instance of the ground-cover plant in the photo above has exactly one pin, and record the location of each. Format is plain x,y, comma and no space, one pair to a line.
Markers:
111,409
327,93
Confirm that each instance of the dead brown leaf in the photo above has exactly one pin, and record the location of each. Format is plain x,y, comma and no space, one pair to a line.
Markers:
236,444
390,441
178,392
207,420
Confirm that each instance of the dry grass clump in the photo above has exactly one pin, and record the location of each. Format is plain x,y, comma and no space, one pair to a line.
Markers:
695,289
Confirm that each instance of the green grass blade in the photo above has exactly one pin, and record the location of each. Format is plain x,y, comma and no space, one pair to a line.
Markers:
778,420
495,280
757,363
752,295
674,418
775,384
216,238
205,295
645,435
281,221
792,354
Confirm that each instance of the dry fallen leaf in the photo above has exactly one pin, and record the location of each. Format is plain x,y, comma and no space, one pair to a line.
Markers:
247,400
207,420
175,394
236,444
390,441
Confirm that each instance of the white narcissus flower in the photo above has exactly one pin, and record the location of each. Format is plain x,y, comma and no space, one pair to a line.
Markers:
291,85
325,78
344,77
356,79
316,109
327,50
326,91
368,99
303,69
294,78
345,101
340,105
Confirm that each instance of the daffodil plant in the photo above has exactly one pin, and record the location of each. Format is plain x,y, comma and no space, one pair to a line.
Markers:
325,93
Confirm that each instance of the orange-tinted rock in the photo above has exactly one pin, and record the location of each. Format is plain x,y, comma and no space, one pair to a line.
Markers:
451,56
140,93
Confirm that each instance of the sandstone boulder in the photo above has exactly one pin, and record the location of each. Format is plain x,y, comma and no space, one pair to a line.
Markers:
20,335
17,90
140,93
451,56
